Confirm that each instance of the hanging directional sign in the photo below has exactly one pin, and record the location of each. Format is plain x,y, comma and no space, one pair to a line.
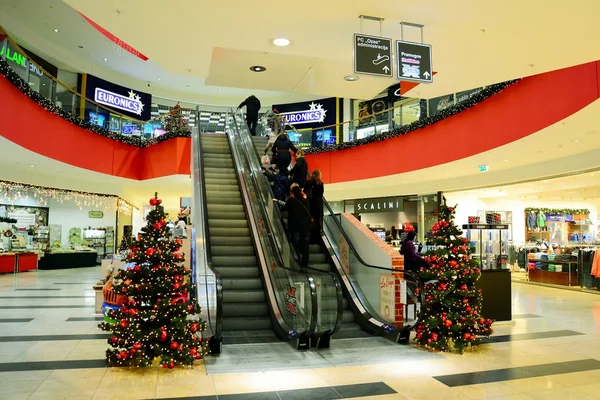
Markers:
414,62
372,55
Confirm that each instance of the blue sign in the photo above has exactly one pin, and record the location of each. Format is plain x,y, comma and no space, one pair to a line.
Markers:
128,129
559,218
123,100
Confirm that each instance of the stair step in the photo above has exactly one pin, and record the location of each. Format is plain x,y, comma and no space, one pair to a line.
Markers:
232,250
317,258
347,317
225,208
238,272
230,241
221,181
245,309
227,223
226,215
233,201
217,170
234,261
319,266
244,296
230,232
245,323
242,284
222,195
222,187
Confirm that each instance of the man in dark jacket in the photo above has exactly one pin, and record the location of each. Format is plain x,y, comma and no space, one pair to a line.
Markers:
300,171
252,105
299,222
281,152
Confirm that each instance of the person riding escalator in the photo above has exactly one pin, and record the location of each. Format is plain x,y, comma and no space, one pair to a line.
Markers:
282,156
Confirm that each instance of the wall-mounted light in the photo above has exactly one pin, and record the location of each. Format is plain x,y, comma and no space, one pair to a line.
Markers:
257,68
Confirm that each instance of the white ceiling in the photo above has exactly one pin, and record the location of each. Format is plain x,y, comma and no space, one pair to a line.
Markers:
475,43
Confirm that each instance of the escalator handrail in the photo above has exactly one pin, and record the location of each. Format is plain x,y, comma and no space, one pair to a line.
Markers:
279,259
218,329
297,267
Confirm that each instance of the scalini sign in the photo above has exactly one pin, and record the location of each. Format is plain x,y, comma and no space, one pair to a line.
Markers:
385,204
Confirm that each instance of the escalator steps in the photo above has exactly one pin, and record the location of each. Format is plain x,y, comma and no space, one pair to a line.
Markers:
245,310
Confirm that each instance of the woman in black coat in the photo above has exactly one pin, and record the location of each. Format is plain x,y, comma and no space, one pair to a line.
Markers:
299,173
282,155
299,223
315,191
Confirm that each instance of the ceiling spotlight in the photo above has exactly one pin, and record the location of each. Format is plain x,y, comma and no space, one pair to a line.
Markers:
106,59
56,30
31,165
281,42
257,68
159,79
576,140
351,78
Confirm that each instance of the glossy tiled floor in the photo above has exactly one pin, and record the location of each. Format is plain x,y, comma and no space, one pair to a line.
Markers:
50,348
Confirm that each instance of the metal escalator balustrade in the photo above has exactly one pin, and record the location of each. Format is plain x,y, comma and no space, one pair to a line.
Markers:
208,280
328,287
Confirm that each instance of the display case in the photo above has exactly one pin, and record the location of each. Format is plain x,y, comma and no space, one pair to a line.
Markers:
489,242
41,239
96,239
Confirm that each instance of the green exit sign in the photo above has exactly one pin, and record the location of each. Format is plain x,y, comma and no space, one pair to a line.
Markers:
484,168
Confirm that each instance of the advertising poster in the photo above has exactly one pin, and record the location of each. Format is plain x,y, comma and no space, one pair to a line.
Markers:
387,309
344,255
26,216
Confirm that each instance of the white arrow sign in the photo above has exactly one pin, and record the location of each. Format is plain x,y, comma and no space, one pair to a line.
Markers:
426,74
385,69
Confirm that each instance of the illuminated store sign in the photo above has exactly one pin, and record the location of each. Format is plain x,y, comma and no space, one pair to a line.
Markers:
132,104
20,60
316,114
379,205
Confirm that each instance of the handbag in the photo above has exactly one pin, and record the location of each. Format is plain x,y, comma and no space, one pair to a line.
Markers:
265,160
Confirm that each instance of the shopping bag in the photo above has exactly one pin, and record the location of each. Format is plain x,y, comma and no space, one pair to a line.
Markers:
265,160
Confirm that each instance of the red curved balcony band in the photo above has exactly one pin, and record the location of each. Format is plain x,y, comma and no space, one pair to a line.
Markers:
520,110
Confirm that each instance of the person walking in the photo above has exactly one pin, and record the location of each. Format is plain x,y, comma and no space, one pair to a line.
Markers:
412,260
253,106
315,191
300,222
282,149
300,171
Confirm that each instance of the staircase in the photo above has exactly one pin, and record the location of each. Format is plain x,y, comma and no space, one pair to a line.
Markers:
318,260
245,311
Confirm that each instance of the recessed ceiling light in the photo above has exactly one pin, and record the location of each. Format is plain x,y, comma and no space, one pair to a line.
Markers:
281,42
351,78
106,59
31,165
159,79
257,68
56,30
576,140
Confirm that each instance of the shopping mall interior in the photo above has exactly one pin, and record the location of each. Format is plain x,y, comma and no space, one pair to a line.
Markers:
326,200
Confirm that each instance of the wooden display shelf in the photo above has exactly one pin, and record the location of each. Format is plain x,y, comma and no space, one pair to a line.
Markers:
554,278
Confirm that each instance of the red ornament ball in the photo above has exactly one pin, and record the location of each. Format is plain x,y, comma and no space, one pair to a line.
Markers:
157,226
150,251
174,345
123,323
467,336
171,365
448,323
137,268
153,202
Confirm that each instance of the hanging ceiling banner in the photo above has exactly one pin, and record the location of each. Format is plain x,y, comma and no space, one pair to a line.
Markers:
115,39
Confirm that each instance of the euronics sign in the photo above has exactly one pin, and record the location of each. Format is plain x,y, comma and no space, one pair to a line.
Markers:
132,104
19,59
316,114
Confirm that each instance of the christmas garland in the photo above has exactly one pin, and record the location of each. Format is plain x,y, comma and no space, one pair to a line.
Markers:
16,80
8,220
559,211
403,130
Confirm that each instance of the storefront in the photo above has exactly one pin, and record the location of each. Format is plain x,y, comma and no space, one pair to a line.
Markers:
45,228
315,121
387,216
548,239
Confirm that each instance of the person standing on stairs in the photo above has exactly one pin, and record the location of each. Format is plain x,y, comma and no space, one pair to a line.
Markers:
300,171
300,222
412,260
282,149
315,191
252,105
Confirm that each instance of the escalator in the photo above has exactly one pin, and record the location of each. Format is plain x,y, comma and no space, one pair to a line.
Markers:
319,260
249,286
245,311
361,312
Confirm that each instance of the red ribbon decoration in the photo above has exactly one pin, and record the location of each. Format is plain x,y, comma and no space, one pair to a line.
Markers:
115,39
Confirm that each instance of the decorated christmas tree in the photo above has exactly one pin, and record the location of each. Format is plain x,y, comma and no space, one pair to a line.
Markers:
157,318
451,311
175,124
